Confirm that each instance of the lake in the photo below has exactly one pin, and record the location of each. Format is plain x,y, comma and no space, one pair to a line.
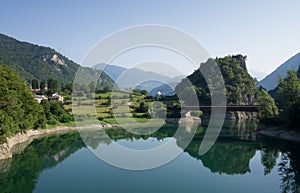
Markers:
239,162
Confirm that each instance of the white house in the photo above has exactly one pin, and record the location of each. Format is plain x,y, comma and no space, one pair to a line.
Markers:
56,97
39,98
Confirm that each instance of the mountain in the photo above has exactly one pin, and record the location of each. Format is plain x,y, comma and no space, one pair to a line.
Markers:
271,81
42,63
111,70
136,78
167,89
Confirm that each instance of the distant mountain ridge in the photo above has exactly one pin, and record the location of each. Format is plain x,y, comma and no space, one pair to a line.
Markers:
138,78
43,63
271,81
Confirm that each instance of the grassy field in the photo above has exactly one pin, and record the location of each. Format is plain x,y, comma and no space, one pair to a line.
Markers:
106,105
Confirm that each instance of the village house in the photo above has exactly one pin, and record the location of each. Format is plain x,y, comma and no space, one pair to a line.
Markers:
56,97
39,98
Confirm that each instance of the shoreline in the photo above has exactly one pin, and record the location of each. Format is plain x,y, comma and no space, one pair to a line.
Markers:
17,143
279,133
22,140
7,149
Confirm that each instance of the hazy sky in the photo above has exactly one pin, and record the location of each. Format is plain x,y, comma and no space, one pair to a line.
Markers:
267,31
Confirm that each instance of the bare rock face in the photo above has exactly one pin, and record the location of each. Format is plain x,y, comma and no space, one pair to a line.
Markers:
56,59
5,151
242,60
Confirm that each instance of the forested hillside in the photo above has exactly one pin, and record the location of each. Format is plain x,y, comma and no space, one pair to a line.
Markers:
41,63
240,86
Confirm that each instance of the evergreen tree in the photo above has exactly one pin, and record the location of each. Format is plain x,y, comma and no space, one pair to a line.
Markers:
52,86
42,85
34,84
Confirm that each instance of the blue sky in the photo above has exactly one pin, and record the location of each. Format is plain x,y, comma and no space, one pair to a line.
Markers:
266,31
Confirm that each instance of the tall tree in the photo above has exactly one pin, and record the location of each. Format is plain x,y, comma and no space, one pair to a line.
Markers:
52,86
42,85
288,99
34,84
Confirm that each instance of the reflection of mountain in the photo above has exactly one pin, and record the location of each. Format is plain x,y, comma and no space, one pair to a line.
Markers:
233,150
231,157
41,154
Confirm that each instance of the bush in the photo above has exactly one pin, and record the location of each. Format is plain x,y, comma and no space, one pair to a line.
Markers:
196,113
65,118
52,121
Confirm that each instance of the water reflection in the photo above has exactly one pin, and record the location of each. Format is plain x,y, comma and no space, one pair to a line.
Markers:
229,157
21,174
231,154
288,162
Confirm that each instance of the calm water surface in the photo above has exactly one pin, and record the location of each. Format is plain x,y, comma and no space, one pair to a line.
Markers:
239,162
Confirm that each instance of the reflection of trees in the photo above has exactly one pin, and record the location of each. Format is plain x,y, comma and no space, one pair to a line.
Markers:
40,154
268,159
230,157
288,164
287,169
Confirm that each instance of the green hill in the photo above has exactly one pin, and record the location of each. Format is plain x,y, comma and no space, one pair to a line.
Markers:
42,63
240,86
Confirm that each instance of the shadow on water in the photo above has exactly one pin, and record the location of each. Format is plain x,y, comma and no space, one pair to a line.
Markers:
230,155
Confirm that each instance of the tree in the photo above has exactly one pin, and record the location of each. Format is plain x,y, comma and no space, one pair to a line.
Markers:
106,89
142,108
267,109
52,86
144,92
288,99
18,109
42,85
34,84
55,112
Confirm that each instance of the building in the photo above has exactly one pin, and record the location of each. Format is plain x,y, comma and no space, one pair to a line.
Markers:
56,97
39,98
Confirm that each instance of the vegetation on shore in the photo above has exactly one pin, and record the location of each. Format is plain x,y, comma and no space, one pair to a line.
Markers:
19,111
287,100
